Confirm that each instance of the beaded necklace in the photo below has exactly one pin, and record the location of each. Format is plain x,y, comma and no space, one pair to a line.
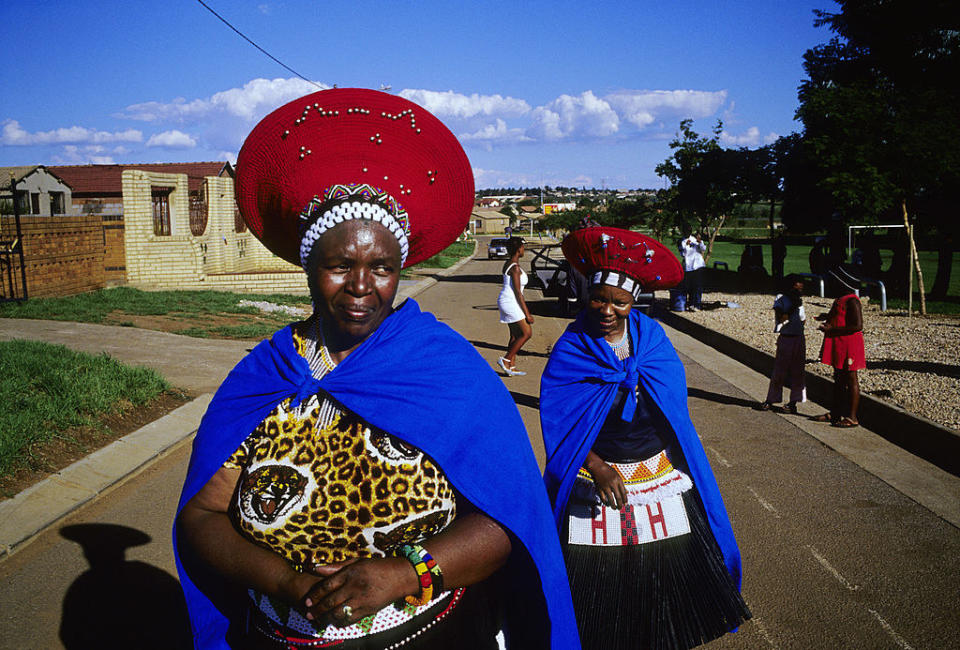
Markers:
622,347
320,361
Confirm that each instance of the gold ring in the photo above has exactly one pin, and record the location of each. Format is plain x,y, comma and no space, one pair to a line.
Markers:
347,611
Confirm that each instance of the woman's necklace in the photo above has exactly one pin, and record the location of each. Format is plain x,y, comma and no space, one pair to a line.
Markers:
322,362
622,347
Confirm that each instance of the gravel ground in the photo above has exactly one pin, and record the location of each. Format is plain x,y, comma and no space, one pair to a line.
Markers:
912,362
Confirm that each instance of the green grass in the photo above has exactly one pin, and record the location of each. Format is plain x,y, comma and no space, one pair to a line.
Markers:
46,390
448,256
797,261
94,307
244,331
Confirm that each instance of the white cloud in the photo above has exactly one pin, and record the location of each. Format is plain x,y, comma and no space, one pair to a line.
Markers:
265,9
71,154
13,134
250,103
645,107
567,116
172,140
496,132
449,104
229,156
750,138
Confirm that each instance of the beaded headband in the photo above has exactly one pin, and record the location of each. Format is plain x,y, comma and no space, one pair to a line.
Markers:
616,279
344,202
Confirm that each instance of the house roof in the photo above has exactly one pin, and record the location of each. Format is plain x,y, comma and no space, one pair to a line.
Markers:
107,179
21,172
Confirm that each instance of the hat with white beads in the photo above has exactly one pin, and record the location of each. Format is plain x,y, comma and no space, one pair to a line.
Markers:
352,153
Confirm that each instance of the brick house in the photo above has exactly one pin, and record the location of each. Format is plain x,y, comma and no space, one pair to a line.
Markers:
40,192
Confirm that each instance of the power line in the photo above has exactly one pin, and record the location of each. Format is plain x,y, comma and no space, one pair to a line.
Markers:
244,37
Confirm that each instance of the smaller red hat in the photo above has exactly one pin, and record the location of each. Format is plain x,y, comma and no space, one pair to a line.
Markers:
622,258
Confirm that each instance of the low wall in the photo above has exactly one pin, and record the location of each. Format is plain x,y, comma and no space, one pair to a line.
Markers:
918,435
63,255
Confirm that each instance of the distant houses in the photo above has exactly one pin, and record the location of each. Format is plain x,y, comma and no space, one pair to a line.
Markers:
151,226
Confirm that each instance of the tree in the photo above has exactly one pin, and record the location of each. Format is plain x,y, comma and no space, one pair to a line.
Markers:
881,109
703,180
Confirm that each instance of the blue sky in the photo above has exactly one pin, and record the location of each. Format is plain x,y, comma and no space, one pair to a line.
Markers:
555,93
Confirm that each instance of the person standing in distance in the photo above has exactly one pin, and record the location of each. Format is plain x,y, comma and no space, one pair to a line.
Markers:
692,249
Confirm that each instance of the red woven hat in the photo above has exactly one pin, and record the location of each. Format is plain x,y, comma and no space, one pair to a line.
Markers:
622,258
352,144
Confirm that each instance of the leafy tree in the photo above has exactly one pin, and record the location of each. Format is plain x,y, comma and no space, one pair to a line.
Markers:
881,109
703,180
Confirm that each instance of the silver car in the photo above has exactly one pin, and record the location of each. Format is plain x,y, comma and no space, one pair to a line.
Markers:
497,249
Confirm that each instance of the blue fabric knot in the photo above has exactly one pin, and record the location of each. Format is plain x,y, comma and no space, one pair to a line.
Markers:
628,379
307,389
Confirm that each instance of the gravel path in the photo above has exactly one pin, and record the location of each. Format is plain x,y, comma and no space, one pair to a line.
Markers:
912,362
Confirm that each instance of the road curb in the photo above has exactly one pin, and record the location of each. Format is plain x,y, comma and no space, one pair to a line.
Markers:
42,505
913,433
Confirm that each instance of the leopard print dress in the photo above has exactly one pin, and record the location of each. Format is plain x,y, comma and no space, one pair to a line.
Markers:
320,485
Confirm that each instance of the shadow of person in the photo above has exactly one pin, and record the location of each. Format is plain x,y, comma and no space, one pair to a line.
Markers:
119,603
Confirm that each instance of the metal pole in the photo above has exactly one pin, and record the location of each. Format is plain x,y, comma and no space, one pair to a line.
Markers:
19,242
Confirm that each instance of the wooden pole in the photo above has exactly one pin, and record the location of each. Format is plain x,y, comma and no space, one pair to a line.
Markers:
910,273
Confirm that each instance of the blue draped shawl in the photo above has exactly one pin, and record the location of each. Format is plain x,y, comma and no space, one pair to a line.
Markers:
422,382
577,391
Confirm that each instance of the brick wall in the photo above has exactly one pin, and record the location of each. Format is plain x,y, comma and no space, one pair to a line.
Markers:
63,255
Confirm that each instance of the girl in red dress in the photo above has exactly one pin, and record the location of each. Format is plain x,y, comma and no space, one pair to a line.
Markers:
842,349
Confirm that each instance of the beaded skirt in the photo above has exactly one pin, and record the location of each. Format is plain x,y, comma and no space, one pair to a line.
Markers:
674,592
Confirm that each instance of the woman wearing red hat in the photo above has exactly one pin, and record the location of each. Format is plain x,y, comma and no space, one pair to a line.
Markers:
344,490
650,553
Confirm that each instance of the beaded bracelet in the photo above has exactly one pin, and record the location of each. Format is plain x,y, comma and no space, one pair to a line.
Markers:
428,573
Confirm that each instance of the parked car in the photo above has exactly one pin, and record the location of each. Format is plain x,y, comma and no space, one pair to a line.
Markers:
497,249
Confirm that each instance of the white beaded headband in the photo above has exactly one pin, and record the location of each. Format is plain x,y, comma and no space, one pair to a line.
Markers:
619,280
341,203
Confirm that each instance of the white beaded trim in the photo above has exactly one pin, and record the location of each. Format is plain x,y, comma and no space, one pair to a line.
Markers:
345,212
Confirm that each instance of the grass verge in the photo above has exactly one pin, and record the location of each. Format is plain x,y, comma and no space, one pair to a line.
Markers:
46,391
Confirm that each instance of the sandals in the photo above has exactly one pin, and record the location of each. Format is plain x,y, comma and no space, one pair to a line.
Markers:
764,406
823,417
509,370
846,423
789,407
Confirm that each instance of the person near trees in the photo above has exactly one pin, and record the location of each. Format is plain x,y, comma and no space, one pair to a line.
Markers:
651,556
347,488
692,248
788,364
843,350
513,308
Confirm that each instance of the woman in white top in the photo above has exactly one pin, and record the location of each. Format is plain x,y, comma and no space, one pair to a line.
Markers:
513,309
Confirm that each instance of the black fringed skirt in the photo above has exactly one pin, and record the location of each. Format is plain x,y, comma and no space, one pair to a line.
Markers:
672,593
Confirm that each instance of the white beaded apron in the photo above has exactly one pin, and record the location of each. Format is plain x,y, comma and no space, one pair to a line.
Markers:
654,510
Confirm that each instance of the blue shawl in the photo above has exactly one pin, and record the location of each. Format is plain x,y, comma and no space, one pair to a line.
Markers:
577,391
422,382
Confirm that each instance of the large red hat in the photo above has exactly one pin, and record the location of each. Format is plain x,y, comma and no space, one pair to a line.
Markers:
351,143
622,258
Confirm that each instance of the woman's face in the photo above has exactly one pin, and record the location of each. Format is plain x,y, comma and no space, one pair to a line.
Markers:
355,278
608,311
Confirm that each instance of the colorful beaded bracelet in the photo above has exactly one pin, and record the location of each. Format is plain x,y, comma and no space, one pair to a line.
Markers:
428,573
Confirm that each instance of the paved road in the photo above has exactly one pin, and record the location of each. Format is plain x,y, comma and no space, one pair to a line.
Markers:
834,557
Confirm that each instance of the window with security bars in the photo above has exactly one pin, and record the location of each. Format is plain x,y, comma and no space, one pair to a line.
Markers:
161,210
198,211
57,204
238,223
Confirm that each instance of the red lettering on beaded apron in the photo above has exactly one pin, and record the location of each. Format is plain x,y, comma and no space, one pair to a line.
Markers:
600,523
657,519
628,526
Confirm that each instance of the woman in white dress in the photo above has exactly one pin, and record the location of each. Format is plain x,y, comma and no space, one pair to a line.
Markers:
513,309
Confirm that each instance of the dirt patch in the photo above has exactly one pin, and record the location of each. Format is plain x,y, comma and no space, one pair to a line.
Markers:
54,455
205,324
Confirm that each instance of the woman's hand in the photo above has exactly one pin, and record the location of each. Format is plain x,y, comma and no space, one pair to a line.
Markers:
364,586
607,482
529,318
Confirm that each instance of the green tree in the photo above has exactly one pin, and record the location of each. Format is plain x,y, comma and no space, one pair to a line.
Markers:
703,180
881,109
